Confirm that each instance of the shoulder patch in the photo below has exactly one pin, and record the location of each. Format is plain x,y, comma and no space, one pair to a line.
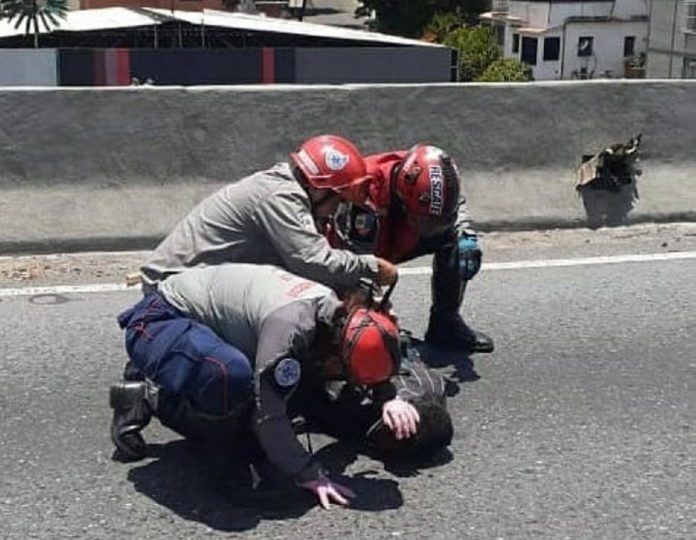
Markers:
287,372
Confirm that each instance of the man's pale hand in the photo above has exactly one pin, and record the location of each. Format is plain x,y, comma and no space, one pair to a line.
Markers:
401,417
328,492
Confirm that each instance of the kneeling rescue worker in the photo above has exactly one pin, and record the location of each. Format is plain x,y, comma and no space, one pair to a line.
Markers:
414,207
235,341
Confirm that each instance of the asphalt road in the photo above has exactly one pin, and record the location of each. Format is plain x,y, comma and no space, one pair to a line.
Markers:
581,425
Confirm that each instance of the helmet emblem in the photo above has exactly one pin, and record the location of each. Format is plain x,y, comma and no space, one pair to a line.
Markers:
335,160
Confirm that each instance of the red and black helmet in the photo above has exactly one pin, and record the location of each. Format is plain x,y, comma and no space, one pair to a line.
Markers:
370,346
332,162
427,183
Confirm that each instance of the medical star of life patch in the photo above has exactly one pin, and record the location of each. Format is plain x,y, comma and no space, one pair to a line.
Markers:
287,372
335,160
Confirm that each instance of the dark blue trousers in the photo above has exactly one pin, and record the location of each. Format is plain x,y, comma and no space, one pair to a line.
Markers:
186,358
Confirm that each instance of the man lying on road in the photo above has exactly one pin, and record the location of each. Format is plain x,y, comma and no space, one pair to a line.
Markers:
350,412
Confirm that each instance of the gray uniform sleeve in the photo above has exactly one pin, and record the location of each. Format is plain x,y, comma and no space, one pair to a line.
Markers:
288,223
284,337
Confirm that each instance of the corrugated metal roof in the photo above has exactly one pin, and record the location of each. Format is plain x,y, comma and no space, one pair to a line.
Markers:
258,23
118,17
88,19
7,29
103,19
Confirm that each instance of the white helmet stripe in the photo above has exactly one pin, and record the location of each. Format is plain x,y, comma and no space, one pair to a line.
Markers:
308,162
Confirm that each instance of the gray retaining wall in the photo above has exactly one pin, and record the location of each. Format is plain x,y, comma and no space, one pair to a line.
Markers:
118,167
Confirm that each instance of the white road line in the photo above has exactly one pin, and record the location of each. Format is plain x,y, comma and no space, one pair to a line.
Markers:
553,263
57,256
408,271
65,289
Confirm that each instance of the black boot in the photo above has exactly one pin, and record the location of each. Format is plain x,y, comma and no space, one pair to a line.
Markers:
453,332
446,327
133,403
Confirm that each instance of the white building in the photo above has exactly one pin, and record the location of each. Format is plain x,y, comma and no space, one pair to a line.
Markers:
672,39
573,39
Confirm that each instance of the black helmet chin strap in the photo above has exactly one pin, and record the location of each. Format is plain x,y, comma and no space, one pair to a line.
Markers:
382,307
368,287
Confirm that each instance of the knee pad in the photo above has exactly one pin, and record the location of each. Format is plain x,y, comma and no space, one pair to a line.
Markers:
133,394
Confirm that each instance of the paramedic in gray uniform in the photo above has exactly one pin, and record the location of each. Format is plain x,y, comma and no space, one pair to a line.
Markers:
233,336
271,217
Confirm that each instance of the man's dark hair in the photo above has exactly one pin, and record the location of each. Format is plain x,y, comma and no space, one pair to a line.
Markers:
434,432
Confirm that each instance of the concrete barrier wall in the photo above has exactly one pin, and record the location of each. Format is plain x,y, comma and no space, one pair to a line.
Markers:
100,167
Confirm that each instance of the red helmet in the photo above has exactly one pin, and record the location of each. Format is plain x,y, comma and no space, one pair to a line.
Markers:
370,346
332,162
427,182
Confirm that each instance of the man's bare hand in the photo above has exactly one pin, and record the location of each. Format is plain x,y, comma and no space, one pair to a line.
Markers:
401,417
387,273
328,492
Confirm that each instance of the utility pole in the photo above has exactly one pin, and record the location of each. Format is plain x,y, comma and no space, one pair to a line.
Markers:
674,35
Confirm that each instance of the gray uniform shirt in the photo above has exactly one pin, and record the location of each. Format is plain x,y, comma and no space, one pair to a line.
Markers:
234,300
264,218
271,315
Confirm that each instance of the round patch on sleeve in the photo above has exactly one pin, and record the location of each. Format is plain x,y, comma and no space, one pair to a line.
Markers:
287,372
